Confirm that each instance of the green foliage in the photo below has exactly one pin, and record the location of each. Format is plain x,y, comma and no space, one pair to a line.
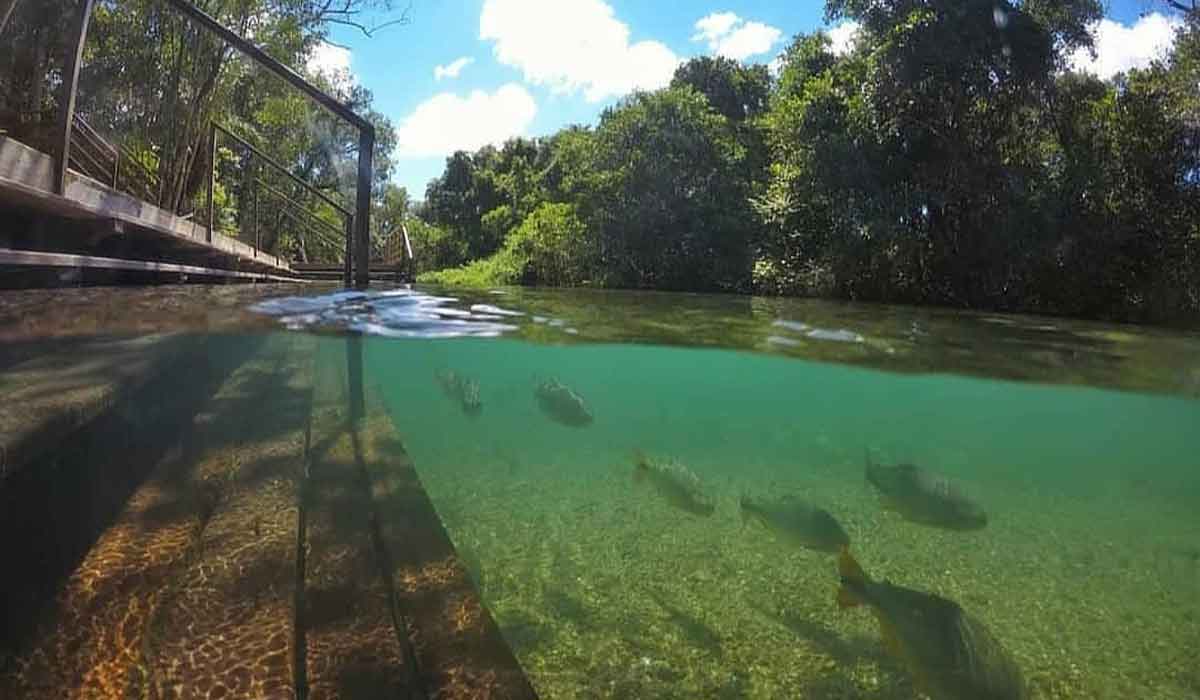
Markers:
735,91
496,271
552,247
950,158
434,248
153,82
670,201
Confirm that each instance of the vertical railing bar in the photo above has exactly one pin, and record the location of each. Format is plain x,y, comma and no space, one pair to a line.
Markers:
254,206
348,262
66,114
212,184
362,214
6,11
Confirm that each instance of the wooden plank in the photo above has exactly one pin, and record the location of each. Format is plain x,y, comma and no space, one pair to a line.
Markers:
353,647
223,628
460,649
29,258
57,392
135,518
27,177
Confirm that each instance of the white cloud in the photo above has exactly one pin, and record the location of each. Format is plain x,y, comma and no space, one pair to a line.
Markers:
574,45
733,37
715,26
843,37
331,61
446,122
452,69
1120,48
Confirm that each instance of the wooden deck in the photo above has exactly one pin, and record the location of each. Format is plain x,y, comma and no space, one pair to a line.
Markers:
157,236
324,272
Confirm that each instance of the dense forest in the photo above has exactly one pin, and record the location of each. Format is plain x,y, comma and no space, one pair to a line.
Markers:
152,83
951,157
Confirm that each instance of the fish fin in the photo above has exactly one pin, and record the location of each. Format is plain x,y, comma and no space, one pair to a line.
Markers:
852,575
893,645
848,568
847,599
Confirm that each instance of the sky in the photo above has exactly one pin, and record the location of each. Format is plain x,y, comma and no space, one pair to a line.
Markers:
464,74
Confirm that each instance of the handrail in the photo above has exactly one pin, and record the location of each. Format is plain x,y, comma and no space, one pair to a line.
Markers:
275,164
358,237
298,206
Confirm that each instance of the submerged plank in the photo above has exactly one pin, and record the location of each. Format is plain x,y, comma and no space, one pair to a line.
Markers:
224,625
88,642
354,648
48,397
461,652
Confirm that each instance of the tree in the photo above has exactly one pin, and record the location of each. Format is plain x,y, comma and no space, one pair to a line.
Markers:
738,92
670,210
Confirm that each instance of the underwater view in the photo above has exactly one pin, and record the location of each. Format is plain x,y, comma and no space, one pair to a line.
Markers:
653,496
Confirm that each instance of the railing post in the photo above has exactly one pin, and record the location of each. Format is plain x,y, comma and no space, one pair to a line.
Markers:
70,87
212,183
6,12
348,266
362,213
354,377
254,206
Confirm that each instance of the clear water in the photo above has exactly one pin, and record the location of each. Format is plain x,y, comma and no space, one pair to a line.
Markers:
1087,570
1079,440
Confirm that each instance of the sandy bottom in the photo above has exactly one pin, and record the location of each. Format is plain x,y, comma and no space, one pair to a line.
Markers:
604,590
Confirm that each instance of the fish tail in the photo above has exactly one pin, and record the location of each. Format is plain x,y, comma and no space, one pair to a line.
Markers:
745,506
853,580
640,466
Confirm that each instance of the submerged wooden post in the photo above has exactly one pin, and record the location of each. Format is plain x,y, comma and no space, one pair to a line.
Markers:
362,213
70,87
354,377
6,12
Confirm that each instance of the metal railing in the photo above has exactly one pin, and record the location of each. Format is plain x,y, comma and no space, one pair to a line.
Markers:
296,211
76,144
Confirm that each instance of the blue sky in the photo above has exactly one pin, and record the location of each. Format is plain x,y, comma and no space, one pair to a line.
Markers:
530,67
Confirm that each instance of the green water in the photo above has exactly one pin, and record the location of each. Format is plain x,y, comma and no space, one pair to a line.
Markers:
1087,571
178,511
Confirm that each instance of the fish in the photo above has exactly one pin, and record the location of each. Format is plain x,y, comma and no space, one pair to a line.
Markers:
562,404
949,654
797,522
675,483
462,389
925,497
